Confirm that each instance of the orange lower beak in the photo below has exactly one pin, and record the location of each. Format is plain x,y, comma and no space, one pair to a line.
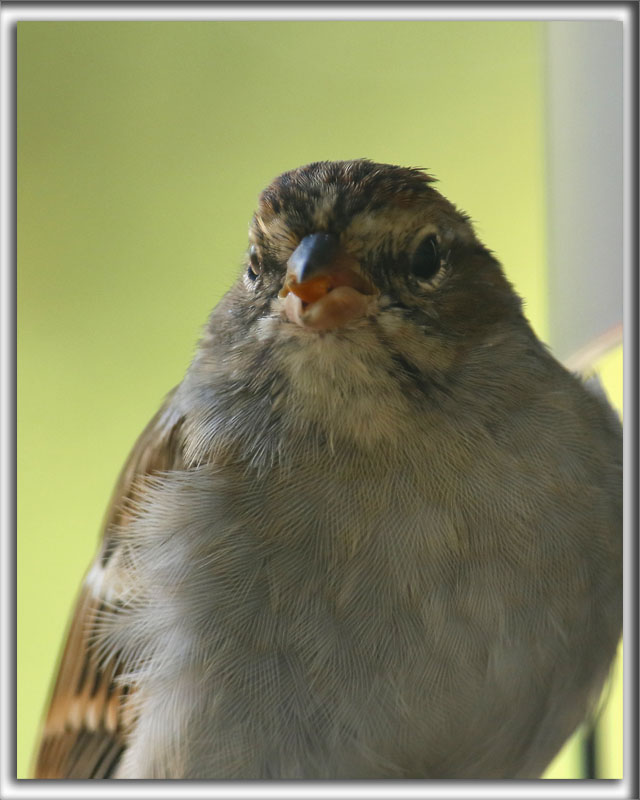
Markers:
324,288
311,290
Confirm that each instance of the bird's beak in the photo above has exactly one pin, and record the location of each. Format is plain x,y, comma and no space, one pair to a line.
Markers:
324,287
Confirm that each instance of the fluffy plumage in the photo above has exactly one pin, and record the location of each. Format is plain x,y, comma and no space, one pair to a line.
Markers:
371,535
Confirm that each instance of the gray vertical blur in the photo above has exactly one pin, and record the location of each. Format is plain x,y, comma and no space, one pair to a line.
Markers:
584,169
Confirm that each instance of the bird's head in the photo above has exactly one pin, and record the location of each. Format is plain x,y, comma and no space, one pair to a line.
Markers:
335,244
365,295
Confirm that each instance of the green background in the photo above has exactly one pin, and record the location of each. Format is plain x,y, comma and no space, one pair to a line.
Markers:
142,147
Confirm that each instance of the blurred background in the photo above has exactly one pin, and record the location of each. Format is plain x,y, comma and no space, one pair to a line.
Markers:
142,147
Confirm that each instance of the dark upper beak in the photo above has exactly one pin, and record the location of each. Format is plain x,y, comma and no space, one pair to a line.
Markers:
313,255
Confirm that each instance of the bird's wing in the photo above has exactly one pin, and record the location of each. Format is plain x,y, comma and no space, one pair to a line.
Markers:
85,729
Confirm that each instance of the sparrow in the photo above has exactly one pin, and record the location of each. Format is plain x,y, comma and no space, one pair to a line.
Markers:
375,532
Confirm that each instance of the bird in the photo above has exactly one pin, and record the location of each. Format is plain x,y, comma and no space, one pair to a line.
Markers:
374,533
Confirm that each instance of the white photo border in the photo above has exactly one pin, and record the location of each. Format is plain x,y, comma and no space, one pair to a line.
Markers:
10,14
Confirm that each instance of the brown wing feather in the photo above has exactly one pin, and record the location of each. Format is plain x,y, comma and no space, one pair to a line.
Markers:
87,722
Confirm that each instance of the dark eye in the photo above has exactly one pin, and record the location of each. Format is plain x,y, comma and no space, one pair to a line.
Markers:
254,263
425,261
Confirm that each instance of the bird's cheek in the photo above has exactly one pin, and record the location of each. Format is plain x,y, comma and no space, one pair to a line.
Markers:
334,310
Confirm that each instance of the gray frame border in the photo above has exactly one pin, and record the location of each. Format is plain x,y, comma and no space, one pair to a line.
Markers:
10,13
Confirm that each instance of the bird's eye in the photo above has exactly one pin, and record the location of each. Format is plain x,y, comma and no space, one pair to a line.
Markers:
254,263
425,262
